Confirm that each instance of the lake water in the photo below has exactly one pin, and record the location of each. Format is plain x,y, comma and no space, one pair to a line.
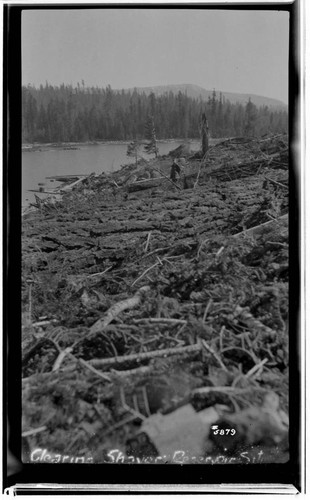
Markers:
36,166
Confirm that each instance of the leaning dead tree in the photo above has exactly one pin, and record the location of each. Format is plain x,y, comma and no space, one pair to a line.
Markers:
204,130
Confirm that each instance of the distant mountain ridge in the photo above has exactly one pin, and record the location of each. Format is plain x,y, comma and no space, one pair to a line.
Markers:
197,92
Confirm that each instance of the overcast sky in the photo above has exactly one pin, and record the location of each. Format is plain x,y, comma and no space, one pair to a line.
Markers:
232,51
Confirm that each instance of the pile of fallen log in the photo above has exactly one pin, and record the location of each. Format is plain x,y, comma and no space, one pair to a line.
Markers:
234,158
138,380
154,323
237,159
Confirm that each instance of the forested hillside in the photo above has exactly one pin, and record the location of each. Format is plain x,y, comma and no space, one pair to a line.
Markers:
197,92
68,114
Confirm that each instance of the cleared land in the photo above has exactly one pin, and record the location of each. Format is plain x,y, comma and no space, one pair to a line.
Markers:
144,298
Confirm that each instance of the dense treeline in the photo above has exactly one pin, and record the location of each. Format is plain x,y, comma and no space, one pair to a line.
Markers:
68,114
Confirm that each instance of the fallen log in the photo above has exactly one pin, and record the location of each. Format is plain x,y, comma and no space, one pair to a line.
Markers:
276,182
144,184
142,181
64,178
161,353
166,177
75,183
31,432
257,230
117,308
118,361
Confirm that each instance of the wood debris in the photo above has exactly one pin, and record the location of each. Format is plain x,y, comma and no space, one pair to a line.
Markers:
135,284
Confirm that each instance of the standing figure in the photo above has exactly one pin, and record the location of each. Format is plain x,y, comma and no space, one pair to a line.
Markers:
175,169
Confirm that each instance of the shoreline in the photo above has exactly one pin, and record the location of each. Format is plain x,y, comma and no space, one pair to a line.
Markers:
47,146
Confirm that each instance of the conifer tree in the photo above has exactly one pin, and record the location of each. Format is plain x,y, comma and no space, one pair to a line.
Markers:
251,116
133,150
204,134
150,135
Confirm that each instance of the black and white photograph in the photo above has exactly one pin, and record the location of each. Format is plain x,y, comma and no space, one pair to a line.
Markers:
156,181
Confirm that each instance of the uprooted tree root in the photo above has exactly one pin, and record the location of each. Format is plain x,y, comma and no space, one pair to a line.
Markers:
138,302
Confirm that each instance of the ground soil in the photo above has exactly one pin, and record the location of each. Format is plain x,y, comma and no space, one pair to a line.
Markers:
206,261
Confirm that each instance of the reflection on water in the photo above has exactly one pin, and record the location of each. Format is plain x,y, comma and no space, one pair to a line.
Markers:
36,166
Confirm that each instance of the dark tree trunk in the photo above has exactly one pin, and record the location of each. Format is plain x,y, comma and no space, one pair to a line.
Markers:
204,134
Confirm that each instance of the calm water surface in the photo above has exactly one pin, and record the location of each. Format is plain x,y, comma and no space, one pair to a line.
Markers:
36,166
